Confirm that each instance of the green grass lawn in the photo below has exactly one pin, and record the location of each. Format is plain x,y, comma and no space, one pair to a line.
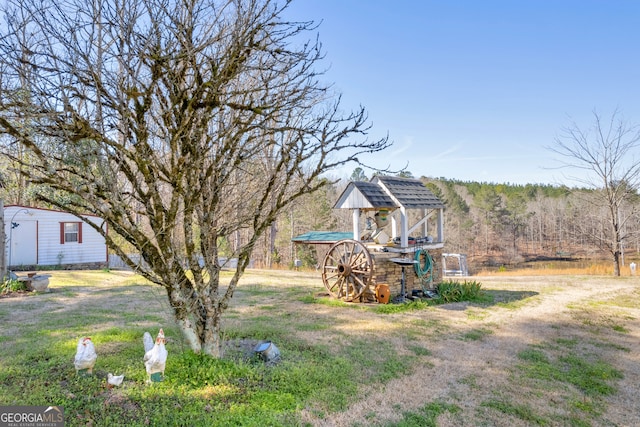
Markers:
41,332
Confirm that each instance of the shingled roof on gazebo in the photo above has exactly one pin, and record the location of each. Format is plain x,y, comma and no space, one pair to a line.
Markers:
393,194
410,193
365,195
388,192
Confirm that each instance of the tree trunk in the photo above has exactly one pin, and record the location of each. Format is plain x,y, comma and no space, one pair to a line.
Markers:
203,334
3,261
190,335
616,263
616,250
212,344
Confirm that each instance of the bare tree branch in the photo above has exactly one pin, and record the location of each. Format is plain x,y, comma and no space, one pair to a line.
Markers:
180,123
607,155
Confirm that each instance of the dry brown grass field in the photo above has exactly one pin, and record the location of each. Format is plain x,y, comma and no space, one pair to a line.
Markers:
478,357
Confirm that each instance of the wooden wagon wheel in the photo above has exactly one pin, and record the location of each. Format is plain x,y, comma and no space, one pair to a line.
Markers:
347,269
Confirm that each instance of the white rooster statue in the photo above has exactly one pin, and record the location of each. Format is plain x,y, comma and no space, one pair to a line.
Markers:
155,357
85,356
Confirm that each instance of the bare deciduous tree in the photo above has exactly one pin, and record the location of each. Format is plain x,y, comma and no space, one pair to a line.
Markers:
607,154
181,123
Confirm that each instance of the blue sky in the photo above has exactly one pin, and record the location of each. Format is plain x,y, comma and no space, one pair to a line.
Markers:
475,90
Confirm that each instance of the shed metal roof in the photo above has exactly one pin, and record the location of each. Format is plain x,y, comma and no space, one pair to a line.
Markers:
317,237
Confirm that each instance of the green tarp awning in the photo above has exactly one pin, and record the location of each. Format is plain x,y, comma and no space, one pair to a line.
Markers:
318,237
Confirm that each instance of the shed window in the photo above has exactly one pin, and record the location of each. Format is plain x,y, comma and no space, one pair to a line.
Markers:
70,232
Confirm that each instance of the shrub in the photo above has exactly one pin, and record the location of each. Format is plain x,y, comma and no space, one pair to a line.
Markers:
454,291
12,285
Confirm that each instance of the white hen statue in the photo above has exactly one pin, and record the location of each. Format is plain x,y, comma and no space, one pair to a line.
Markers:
85,356
114,380
155,359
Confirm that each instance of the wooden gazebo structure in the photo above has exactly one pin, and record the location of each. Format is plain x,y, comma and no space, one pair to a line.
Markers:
394,220
400,196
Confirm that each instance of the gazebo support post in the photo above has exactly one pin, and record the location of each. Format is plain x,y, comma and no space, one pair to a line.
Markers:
356,224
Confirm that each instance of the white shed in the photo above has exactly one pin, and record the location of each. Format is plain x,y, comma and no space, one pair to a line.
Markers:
45,237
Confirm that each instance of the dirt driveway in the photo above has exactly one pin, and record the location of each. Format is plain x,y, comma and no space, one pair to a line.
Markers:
476,363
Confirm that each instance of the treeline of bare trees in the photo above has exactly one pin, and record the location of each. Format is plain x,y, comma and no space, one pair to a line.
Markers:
491,223
514,223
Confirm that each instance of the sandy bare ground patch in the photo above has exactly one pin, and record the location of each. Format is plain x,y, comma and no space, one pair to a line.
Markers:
68,293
